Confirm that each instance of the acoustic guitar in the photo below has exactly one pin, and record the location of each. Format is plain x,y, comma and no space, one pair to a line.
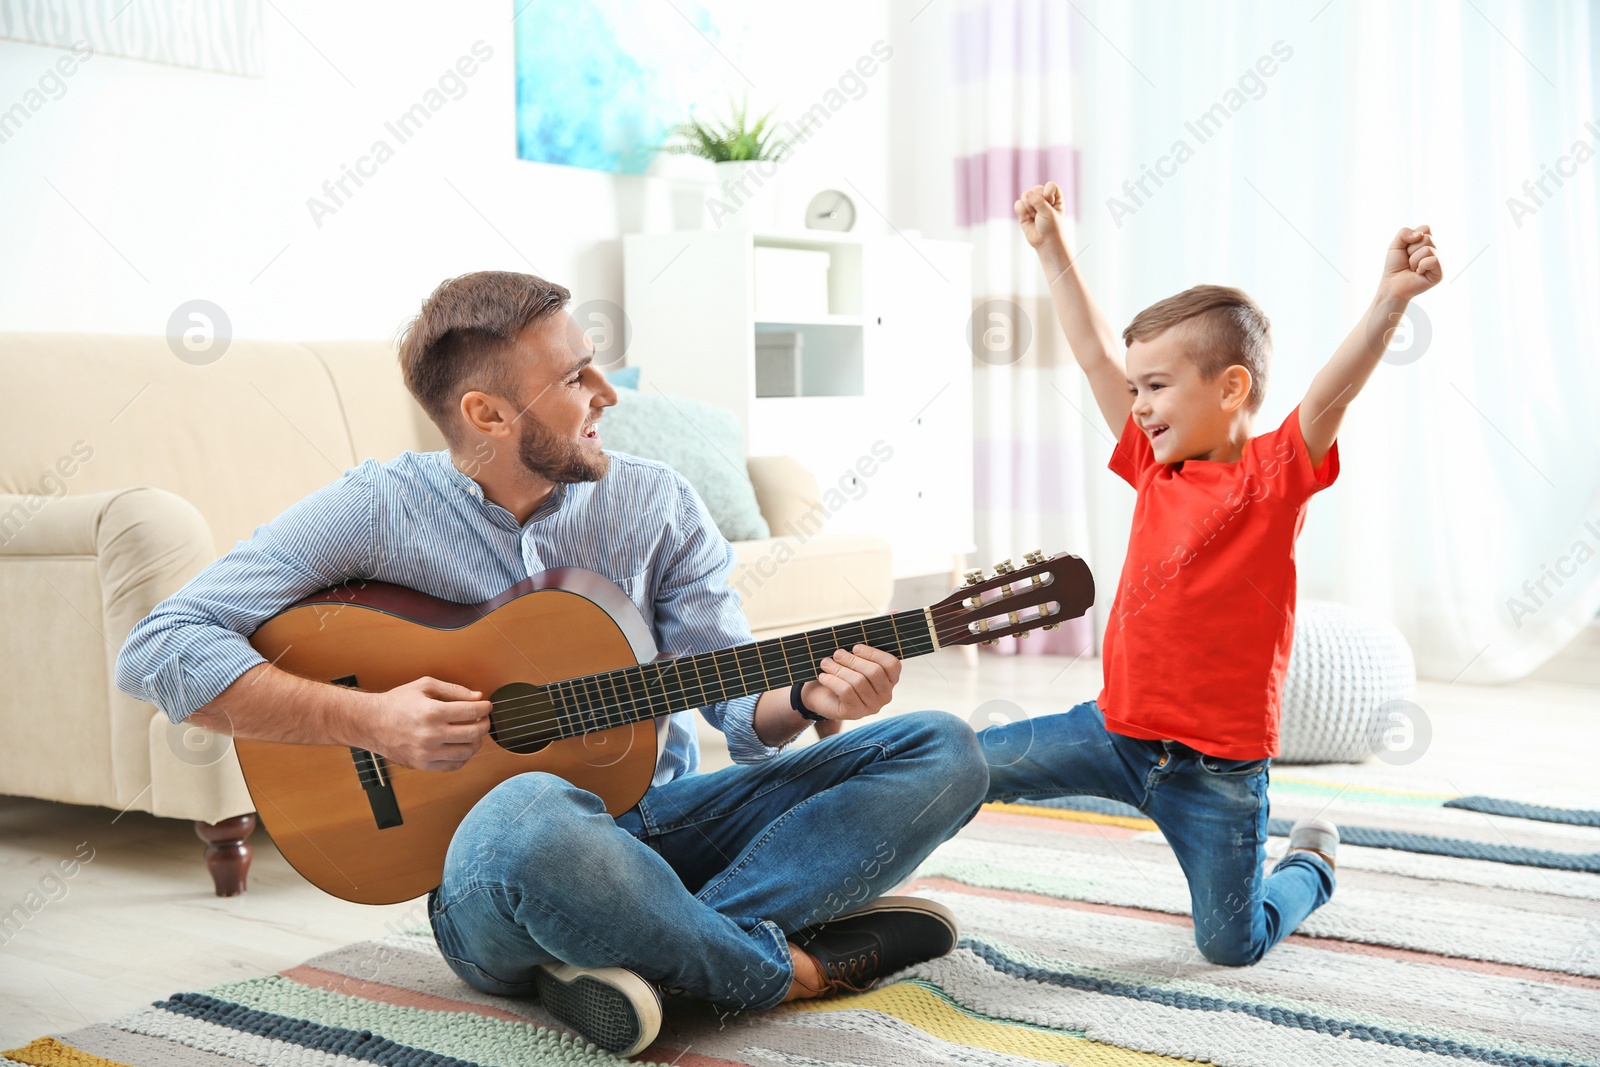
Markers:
577,689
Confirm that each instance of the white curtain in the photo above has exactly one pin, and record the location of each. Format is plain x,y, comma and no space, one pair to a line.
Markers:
1011,113
1468,508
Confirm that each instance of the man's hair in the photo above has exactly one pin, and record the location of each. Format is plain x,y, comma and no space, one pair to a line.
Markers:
459,340
1226,328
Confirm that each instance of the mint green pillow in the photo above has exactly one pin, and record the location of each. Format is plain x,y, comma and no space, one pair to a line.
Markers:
700,442
624,377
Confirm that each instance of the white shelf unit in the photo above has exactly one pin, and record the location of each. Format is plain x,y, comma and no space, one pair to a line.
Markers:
885,368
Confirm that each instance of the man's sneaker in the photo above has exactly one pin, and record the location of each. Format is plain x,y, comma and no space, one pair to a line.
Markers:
611,1006
1316,835
878,939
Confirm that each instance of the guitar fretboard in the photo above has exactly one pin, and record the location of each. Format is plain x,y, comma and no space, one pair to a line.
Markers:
633,694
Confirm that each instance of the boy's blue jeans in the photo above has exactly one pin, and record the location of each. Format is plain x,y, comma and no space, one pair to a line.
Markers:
1213,812
697,886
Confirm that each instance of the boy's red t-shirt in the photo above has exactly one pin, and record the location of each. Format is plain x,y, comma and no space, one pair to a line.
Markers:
1198,641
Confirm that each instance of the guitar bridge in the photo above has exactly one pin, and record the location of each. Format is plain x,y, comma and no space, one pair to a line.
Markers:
373,771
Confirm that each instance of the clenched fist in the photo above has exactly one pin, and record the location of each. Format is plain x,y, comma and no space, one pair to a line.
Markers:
1411,266
1039,212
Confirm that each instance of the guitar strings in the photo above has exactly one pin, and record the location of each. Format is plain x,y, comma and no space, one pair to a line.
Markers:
773,654
561,730
626,702
627,706
766,654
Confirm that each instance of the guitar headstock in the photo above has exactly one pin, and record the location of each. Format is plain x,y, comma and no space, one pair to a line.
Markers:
1041,594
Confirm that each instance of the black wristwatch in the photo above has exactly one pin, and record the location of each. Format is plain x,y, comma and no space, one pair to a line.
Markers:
805,712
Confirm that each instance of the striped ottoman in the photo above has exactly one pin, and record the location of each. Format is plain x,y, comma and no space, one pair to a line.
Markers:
1345,664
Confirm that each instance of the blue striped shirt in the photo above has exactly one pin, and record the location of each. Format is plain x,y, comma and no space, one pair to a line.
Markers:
419,522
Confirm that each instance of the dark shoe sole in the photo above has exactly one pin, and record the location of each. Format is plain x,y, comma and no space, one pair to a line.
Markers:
615,1008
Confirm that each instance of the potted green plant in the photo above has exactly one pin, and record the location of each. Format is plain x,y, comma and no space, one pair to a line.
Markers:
746,157
733,141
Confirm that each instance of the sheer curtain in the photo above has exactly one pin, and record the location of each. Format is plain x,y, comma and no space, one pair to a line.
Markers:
1011,113
1468,508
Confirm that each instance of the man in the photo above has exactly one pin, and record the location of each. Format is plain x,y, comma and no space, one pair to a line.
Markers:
732,886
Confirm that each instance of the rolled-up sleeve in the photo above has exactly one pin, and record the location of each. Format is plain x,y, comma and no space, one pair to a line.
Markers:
196,642
696,611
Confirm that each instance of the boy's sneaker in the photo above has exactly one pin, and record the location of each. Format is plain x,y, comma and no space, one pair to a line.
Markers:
878,939
613,1007
1316,835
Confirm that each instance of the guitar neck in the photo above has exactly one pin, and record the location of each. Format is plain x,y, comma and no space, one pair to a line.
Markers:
633,694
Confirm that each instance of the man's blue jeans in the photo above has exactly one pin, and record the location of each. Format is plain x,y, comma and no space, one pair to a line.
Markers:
698,885
1213,812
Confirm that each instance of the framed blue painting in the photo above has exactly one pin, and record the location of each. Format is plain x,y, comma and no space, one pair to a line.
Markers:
601,83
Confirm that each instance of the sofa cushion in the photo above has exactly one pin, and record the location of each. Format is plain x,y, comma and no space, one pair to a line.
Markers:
240,438
790,498
789,584
701,442
383,417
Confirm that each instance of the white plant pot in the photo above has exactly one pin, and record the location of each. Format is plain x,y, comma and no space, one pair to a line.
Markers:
676,190
746,196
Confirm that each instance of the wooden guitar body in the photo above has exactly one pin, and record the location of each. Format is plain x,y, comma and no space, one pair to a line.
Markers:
556,625
577,690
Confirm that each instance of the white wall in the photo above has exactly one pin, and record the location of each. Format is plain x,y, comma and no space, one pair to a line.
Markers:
144,186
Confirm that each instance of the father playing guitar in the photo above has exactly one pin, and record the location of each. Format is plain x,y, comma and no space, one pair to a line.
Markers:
731,886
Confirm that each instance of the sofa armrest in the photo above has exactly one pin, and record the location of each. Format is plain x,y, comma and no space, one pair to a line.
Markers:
78,572
146,544
788,495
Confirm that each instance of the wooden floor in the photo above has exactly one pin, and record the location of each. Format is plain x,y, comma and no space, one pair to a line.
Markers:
138,922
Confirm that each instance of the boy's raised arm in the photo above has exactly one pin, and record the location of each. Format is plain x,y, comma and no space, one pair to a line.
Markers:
1094,345
1411,266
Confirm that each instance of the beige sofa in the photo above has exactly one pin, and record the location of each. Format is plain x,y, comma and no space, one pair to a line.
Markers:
125,470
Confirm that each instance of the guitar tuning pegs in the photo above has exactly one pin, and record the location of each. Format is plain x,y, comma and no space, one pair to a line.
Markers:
974,577
1050,625
1004,567
1034,557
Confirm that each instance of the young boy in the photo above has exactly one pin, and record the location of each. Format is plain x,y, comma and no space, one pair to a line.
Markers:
1198,639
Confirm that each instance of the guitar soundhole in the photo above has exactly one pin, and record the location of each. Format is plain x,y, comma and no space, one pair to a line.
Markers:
524,719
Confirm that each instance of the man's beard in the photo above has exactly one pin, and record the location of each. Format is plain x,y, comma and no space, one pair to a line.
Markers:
557,459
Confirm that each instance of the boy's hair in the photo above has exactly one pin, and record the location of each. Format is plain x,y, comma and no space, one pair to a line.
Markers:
1227,329
459,340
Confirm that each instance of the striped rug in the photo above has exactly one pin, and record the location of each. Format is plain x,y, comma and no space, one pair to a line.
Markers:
1466,929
